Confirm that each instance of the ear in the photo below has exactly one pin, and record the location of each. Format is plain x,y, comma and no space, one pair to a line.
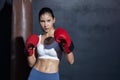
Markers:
54,20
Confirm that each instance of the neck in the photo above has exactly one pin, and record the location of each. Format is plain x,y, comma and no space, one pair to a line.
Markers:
50,32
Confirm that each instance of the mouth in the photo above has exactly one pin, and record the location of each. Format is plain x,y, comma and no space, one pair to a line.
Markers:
46,29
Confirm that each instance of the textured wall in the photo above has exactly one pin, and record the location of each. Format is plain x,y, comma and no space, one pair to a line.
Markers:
94,27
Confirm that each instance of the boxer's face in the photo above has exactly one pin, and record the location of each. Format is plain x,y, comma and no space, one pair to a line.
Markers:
47,21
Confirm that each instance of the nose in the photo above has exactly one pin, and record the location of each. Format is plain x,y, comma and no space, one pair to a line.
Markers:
45,24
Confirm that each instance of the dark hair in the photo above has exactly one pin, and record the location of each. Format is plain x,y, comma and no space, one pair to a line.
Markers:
46,10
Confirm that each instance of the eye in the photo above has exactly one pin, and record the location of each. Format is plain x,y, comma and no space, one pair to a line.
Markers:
42,21
48,20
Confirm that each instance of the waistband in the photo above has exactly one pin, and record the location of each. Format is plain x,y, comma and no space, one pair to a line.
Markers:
37,75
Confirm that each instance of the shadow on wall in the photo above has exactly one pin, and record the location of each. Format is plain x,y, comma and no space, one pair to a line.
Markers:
19,65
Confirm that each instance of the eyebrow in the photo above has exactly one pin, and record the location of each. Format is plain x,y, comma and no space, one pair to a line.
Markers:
44,20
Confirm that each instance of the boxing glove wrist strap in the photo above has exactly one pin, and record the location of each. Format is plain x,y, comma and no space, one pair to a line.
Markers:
68,49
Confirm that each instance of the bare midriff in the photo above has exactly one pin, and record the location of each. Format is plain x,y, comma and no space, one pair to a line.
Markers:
47,65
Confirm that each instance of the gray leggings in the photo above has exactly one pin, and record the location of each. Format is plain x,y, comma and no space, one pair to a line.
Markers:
37,75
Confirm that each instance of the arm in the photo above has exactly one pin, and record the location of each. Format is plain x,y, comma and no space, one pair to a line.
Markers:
30,46
64,40
70,57
31,59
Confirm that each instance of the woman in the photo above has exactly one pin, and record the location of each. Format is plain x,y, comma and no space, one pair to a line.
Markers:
49,46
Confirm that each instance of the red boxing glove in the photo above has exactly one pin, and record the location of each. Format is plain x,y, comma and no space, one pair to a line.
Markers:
63,38
31,43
